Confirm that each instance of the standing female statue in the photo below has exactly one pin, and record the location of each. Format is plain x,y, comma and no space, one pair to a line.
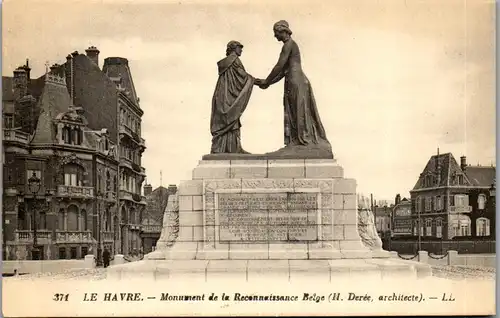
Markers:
303,125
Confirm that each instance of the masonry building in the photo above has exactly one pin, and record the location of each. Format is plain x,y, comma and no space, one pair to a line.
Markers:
75,131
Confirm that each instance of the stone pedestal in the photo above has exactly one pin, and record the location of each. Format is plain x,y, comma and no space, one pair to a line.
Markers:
268,209
264,211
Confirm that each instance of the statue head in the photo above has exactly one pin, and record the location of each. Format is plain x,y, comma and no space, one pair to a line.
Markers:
234,46
282,30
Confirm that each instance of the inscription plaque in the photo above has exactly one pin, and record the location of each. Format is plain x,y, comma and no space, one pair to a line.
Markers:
267,217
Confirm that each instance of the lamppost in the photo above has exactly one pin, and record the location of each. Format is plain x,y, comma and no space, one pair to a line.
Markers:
34,184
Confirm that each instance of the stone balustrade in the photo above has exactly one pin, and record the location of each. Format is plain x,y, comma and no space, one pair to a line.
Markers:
26,236
75,191
73,237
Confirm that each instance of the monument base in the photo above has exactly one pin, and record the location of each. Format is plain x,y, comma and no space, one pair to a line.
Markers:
283,270
247,219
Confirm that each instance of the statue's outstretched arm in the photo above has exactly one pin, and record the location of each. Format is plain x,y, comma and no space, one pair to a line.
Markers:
278,69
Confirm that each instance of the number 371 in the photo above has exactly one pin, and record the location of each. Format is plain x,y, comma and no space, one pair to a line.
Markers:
60,297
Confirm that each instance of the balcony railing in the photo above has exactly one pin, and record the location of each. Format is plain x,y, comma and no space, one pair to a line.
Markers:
75,191
15,135
26,236
133,135
152,228
461,209
127,195
73,237
108,236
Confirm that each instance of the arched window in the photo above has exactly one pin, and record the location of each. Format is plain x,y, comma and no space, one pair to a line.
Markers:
84,223
73,219
482,227
481,202
439,227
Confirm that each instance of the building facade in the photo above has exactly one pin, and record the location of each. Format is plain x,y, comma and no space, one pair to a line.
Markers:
67,129
401,218
452,201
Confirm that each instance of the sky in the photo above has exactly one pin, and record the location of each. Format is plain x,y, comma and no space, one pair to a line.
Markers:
394,80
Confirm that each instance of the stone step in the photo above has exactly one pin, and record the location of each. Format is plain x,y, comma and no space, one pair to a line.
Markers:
321,271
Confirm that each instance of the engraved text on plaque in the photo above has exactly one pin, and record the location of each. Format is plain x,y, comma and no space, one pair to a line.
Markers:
267,217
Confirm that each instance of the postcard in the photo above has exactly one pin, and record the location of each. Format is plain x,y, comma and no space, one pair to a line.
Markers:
229,158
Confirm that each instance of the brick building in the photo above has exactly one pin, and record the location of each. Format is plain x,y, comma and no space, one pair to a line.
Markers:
152,221
453,200
77,129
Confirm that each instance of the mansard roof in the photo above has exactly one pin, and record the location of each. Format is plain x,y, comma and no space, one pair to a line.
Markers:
443,169
481,176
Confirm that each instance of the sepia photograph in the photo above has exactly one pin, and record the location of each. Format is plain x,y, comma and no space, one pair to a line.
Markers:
231,158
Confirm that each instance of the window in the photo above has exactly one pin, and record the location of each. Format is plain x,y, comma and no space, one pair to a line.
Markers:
461,225
61,220
461,200
428,181
417,204
428,204
99,182
8,121
428,227
438,203
62,253
439,227
481,201
73,252
42,224
84,224
66,135
85,251
482,227
460,179
73,220
29,174
464,229
70,179
73,175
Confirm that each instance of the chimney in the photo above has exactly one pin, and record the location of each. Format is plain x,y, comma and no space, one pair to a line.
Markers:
93,54
463,162
172,189
147,189
398,199
28,70
20,82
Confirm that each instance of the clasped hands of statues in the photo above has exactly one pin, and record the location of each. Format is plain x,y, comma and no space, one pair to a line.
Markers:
261,83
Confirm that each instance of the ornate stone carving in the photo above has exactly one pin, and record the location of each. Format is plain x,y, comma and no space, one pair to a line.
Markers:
366,225
170,230
212,185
